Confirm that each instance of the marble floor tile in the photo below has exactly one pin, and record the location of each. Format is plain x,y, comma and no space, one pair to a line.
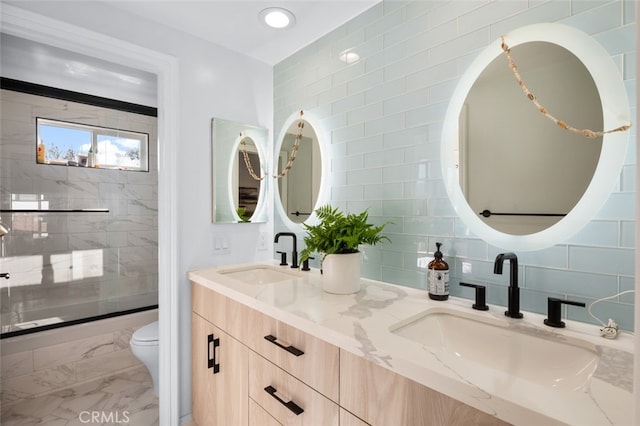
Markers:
104,364
123,398
50,356
16,364
37,383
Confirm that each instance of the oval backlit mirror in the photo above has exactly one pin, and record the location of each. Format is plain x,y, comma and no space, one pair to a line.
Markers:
302,188
601,166
517,169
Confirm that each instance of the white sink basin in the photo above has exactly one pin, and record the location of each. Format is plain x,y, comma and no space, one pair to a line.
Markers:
259,274
525,352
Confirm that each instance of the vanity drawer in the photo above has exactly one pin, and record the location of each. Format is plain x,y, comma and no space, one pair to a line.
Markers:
259,417
286,398
312,360
348,419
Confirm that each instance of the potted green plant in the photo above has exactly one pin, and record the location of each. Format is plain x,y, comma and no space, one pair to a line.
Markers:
337,237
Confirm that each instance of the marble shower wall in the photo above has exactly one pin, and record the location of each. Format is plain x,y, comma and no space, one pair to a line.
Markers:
41,363
384,114
73,265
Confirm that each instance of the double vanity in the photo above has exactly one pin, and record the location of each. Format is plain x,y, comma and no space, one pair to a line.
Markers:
270,347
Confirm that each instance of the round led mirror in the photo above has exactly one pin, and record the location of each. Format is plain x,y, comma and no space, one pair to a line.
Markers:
484,177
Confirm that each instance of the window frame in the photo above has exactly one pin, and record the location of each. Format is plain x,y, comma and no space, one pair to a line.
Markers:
97,131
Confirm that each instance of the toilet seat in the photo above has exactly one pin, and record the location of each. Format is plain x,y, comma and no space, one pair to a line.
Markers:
146,335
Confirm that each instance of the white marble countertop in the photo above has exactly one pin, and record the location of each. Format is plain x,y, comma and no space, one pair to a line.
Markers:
361,323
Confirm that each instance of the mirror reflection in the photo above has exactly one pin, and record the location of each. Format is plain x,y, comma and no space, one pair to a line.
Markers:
300,187
245,180
517,169
238,171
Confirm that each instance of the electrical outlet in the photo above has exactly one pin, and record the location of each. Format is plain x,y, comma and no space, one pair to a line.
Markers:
262,241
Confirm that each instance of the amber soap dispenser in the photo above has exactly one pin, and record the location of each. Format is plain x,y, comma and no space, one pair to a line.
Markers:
438,276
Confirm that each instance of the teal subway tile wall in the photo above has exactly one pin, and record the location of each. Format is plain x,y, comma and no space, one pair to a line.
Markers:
384,117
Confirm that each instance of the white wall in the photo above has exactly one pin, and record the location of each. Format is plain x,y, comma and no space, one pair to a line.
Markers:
213,82
27,60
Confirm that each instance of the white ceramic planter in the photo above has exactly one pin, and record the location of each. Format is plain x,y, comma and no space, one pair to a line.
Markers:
341,273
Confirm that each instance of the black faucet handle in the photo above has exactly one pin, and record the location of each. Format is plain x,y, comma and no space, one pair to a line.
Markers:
554,314
5,275
481,296
305,264
283,258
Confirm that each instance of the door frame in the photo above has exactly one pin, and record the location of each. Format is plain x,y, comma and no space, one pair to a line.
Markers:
39,28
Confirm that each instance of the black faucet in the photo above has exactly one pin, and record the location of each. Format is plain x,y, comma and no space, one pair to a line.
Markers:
294,254
481,296
305,264
554,315
513,308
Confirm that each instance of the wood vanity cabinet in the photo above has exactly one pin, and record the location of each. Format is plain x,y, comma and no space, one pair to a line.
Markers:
282,376
382,397
274,374
219,376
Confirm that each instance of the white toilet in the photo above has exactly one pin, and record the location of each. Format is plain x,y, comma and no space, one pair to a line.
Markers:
144,345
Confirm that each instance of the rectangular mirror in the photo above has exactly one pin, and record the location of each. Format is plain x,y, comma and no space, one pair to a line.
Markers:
238,172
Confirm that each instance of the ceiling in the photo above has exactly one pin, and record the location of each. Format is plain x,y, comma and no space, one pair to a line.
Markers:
234,24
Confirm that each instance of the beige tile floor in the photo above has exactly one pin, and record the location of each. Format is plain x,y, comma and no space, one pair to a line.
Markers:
125,398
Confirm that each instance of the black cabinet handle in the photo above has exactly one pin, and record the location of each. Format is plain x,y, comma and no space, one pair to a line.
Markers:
211,360
295,408
291,349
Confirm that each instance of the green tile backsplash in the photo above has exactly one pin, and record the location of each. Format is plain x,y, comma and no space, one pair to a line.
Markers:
384,115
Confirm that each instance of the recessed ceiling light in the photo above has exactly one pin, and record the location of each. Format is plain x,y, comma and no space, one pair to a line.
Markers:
349,57
277,17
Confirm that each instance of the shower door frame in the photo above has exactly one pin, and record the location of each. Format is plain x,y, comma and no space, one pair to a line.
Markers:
39,28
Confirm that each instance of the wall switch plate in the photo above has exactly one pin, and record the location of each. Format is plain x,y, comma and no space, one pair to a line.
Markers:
221,244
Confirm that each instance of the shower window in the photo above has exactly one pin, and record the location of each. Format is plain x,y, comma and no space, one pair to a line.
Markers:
71,144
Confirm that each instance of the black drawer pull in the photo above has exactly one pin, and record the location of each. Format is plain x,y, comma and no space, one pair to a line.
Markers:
297,410
211,360
291,349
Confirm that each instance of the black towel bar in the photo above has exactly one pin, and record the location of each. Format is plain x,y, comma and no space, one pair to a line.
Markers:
489,213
